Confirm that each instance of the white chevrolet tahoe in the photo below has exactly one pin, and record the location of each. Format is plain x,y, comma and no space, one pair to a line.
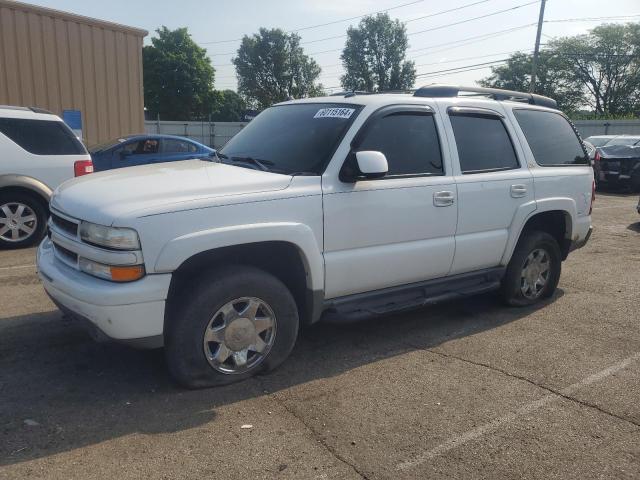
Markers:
347,206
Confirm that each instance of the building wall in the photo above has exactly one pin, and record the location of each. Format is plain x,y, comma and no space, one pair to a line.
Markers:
60,61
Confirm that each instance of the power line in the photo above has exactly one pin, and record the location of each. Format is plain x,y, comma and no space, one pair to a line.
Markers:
485,64
328,23
474,18
443,62
439,27
413,20
591,19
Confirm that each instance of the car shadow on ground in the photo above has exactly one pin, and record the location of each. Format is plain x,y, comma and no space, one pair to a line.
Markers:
81,393
634,227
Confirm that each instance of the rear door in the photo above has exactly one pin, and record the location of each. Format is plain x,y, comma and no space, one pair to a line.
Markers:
493,185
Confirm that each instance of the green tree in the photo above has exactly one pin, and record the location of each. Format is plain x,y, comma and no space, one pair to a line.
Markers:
228,106
374,56
271,67
606,63
551,79
178,76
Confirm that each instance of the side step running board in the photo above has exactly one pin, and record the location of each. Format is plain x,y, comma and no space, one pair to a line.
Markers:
412,296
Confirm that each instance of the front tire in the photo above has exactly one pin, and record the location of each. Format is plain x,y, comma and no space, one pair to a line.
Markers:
237,322
23,220
534,270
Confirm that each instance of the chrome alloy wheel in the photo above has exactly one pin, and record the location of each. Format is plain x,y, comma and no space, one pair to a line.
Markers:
17,222
535,273
239,335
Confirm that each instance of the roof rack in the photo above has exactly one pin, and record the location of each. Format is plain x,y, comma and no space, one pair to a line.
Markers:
437,90
40,110
350,93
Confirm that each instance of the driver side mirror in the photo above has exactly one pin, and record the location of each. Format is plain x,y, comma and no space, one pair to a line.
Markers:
364,165
372,164
125,153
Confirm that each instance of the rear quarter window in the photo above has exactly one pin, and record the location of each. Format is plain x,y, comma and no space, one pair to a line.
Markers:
552,139
42,137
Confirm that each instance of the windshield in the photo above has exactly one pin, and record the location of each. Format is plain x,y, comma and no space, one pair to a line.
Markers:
624,141
289,139
599,141
106,145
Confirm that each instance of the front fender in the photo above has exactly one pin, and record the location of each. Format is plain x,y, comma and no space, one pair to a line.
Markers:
180,249
564,204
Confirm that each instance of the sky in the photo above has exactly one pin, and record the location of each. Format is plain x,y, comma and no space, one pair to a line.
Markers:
432,40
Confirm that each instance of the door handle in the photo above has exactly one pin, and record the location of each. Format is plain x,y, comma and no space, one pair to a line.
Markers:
443,199
518,191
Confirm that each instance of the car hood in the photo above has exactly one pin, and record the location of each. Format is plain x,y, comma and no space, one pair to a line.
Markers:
106,196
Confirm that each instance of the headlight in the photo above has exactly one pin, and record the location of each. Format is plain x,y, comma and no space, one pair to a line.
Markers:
114,273
110,237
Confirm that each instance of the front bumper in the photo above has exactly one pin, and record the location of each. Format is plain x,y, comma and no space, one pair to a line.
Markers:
127,312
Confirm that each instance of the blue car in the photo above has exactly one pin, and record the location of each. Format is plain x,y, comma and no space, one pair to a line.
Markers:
144,149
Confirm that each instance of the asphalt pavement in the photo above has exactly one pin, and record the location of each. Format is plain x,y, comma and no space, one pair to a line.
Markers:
469,389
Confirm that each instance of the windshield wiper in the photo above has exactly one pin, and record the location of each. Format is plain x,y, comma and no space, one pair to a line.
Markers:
261,164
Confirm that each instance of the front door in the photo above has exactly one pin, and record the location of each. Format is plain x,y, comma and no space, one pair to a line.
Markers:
398,229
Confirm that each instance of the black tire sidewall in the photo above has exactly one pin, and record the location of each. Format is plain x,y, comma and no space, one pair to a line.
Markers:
184,332
511,282
40,212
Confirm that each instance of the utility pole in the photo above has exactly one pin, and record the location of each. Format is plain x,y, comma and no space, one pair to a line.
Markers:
536,50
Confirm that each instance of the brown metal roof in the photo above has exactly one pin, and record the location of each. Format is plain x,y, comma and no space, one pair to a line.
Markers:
50,12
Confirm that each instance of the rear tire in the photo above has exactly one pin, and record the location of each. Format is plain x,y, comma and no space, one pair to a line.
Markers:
23,220
211,338
534,270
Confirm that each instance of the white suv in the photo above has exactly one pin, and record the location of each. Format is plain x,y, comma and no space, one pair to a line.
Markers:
37,153
349,206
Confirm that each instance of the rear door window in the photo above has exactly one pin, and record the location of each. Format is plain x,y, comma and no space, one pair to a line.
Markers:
552,139
42,137
483,143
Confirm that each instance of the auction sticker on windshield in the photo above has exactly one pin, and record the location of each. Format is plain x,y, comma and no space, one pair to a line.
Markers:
334,113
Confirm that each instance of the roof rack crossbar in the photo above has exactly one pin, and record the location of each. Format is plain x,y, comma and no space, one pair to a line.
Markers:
494,93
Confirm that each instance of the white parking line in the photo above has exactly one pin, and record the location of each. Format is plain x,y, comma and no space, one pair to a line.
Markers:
16,267
525,409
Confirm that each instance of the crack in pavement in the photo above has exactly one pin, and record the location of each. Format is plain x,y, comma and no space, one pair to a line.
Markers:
332,451
551,390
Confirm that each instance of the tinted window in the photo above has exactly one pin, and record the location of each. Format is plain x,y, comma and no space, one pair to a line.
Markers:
551,138
172,145
292,138
599,141
42,137
624,141
483,143
408,140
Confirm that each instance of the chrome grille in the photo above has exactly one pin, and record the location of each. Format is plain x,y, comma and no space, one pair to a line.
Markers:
66,255
66,226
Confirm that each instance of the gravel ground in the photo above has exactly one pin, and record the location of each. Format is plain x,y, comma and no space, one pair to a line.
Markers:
463,390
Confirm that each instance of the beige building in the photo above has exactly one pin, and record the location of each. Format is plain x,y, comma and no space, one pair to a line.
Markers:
65,62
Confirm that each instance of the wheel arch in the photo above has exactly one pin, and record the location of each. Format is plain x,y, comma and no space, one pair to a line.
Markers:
26,185
283,259
555,218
